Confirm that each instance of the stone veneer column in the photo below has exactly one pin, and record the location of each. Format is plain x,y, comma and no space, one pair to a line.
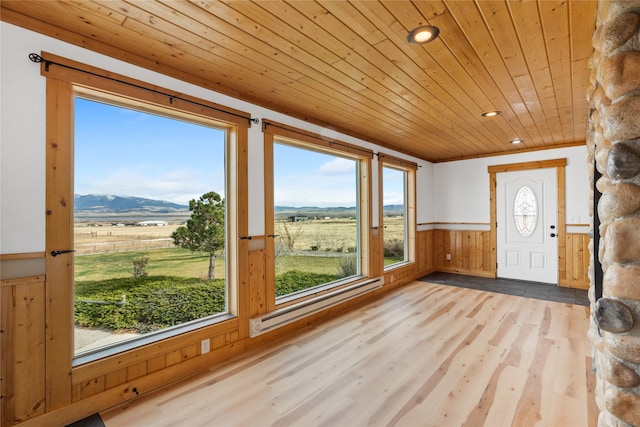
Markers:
614,142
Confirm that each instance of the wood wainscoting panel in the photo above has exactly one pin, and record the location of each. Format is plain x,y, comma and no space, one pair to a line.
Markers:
576,257
257,283
22,341
425,255
469,252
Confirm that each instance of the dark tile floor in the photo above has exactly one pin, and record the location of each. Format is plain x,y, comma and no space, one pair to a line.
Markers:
512,287
92,421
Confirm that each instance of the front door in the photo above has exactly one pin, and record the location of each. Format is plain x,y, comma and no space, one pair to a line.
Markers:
527,215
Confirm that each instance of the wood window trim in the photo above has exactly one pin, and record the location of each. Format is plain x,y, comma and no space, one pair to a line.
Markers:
61,380
397,161
97,79
270,127
276,132
410,168
559,165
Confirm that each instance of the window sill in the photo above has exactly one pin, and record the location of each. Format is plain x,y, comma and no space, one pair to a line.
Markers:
146,339
398,265
285,300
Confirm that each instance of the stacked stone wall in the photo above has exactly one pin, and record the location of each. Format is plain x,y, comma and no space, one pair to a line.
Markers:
614,145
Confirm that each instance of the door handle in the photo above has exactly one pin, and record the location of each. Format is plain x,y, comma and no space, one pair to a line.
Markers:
552,235
56,253
553,227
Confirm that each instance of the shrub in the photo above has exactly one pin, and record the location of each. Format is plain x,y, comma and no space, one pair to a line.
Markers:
348,266
394,248
139,267
294,281
149,303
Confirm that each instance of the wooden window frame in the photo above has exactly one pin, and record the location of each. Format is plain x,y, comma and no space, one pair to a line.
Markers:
410,168
62,84
274,132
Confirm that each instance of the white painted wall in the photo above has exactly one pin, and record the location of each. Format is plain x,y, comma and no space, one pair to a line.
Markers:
462,187
22,144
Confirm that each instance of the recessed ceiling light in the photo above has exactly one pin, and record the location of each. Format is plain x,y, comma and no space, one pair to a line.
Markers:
491,113
516,141
423,34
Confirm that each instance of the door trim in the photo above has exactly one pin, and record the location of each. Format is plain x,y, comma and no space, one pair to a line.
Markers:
560,165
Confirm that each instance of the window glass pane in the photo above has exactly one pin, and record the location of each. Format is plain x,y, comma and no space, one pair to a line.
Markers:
394,218
149,223
316,218
525,211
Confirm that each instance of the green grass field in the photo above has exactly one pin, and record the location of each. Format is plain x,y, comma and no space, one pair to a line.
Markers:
175,288
183,263
162,262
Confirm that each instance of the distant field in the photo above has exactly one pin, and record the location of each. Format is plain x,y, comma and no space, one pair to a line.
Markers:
332,234
105,251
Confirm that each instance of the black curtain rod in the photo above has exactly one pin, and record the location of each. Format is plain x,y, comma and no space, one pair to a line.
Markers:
266,123
34,57
401,159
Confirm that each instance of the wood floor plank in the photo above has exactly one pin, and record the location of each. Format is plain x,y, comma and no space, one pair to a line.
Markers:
426,354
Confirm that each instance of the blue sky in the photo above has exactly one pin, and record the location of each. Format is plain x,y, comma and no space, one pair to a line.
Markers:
132,153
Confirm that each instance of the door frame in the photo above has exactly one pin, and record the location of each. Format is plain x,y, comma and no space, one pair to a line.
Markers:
560,165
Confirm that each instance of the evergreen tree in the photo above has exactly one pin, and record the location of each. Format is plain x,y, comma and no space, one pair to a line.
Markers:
204,231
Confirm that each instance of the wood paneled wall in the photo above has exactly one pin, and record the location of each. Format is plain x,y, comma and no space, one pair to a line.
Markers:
22,343
574,260
425,254
470,252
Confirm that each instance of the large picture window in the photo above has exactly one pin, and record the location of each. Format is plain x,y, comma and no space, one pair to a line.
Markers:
317,216
150,221
394,215
398,195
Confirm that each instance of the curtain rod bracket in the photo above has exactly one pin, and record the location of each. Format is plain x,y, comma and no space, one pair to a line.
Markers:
34,57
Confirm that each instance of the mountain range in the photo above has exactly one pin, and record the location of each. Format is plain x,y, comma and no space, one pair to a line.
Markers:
100,203
103,204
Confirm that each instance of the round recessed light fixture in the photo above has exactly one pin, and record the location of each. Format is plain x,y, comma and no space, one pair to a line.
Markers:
492,113
517,141
423,34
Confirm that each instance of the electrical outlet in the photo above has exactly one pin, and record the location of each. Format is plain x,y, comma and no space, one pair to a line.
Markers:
205,346
448,257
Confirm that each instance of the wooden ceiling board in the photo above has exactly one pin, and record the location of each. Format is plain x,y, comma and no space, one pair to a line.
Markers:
467,68
322,76
528,26
555,22
450,91
580,36
346,65
372,71
471,22
303,94
442,85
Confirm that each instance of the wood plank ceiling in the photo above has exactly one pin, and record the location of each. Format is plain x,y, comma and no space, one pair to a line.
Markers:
347,65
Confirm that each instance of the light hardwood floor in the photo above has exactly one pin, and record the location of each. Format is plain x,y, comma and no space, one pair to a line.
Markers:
424,355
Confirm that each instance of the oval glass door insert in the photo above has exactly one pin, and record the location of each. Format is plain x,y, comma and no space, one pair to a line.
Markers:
525,211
